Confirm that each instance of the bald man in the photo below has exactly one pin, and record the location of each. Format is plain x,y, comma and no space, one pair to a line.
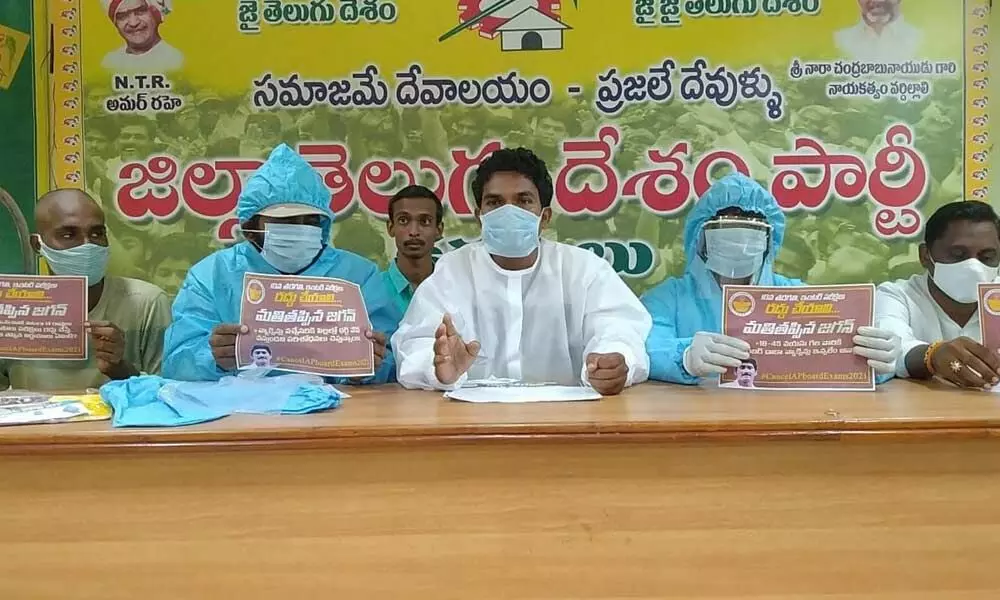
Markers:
127,317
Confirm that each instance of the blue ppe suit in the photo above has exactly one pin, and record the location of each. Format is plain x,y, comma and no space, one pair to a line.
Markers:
683,306
212,291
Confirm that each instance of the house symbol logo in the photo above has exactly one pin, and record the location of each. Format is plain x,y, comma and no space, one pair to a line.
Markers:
520,24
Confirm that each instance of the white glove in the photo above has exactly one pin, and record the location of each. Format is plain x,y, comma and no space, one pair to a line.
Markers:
879,346
713,353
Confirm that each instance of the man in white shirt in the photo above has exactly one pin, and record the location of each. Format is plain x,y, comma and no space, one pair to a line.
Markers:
515,306
138,23
936,313
881,35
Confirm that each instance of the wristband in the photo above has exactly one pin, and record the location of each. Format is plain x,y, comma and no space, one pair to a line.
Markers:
929,356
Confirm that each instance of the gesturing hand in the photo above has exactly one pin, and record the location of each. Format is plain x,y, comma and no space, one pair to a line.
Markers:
607,373
452,356
223,344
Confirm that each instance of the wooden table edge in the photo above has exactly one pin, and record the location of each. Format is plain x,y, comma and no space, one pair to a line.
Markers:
154,440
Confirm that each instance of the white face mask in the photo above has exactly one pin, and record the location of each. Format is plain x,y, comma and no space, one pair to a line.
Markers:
87,260
960,281
735,252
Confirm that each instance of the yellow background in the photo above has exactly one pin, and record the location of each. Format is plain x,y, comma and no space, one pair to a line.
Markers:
603,34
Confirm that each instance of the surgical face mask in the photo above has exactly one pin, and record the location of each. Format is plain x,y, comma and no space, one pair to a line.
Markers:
735,252
290,247
510,231
960,281
87,260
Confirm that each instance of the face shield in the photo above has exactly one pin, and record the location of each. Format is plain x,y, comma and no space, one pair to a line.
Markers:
735,247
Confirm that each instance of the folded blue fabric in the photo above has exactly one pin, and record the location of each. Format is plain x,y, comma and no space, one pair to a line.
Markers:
150,401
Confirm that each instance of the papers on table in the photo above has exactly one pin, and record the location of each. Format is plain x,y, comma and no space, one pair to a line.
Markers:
515,393
19,408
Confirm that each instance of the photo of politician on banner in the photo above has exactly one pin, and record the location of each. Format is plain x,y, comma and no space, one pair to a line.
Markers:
861,118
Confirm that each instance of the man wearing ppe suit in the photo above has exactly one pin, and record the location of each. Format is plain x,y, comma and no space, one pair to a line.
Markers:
285,216
731,237
517,307
937,313
127,318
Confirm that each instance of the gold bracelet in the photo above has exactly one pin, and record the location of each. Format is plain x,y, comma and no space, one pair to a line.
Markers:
929,355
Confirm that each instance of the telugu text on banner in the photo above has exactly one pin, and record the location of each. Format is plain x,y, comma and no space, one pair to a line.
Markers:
43,317
861,117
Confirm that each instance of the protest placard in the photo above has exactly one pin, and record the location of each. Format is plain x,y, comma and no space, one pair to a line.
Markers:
989,315
801,338
43,317
311,325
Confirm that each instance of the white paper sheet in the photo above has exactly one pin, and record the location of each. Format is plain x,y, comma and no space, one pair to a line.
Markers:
515,394
41,413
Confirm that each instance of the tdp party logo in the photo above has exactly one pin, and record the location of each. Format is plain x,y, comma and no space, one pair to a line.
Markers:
519,25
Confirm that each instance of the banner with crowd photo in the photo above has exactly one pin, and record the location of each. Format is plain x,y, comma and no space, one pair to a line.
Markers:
861,116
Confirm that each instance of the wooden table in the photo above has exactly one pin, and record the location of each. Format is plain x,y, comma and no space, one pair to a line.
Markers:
663,492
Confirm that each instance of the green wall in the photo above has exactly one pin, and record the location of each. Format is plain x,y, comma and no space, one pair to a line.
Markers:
17,136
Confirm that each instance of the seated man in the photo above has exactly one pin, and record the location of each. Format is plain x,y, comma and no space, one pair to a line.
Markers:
127,317
514,306
937,313
285,216
416,221
731,237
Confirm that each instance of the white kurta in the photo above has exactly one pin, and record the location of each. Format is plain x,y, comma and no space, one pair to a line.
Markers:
906,308
898,41
161,58
536,325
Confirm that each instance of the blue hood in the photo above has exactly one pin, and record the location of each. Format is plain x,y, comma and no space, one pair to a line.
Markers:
742,192
683,306
285,177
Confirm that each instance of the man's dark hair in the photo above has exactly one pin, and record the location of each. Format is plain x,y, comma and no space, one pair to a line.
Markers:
257,347
740,213
514,160
136,121
416,191
973,211
749,361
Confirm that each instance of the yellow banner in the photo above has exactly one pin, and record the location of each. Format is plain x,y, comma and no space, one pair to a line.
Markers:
861,116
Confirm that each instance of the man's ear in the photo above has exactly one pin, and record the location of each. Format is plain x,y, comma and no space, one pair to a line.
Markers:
546,217
925,258
35,241
388,226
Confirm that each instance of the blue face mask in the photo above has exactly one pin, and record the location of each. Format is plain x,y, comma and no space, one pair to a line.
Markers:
290,248
735,252
87,260
510,231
